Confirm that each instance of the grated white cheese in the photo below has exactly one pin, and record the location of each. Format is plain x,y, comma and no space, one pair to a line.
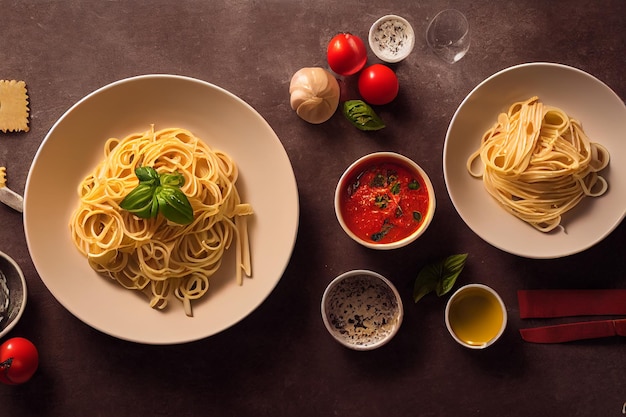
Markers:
363,311
391,37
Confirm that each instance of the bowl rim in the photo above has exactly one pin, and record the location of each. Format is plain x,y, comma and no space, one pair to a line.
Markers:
371,274
20,312
403,160
405,52
500,302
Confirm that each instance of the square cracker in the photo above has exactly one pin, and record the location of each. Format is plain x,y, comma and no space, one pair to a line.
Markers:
13,106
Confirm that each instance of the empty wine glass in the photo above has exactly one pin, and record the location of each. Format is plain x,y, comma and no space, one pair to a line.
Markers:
448,35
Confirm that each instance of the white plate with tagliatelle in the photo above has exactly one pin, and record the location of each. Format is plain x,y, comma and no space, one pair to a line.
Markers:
150,210
535,160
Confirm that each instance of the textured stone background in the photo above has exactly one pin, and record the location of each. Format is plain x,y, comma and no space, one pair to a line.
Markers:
280,361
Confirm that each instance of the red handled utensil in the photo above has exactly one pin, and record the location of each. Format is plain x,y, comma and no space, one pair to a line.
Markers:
569,303
575,331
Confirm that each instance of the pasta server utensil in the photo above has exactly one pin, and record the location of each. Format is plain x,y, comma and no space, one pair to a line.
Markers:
12,199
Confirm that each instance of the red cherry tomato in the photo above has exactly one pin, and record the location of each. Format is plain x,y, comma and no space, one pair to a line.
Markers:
19,360
346,54
378,84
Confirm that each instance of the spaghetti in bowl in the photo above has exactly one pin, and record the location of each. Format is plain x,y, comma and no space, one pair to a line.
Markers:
577,96
75,146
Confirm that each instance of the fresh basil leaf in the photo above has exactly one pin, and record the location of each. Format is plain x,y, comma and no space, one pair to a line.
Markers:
440,276
427,281
140,200
452,267
147,175
361,115
159,193
175,179
174,205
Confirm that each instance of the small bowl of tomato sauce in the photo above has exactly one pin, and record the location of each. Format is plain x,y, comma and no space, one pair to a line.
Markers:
384,200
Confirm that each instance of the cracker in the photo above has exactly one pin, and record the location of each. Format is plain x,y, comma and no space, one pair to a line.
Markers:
13,106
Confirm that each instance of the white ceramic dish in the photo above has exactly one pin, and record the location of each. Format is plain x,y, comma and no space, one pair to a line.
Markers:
356,168
17,293
584,97
391,38
74,146
475,314
362,310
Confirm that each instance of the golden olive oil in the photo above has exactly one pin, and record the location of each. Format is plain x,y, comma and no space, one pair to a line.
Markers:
476,316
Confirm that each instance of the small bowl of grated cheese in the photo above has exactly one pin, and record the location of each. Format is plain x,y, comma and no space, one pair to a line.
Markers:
362,310
391,38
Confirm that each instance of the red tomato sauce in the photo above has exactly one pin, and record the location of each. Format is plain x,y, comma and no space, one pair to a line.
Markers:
385,202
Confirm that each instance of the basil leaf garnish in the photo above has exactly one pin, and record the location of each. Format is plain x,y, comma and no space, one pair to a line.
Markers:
361,115
174,205
414,185
147,175
440,276
139,200
159,193
386,227
426,281
452,267
174,179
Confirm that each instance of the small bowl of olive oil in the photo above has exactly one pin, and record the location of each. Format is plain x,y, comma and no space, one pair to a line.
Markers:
476,316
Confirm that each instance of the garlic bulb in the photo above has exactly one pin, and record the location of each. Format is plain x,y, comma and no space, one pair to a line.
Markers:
314,94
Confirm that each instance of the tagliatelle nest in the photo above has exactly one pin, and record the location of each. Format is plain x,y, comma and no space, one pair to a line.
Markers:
13,106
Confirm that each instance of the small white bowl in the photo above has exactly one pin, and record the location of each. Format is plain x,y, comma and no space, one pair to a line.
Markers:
362,309
391,38
466,313
352,176
15,286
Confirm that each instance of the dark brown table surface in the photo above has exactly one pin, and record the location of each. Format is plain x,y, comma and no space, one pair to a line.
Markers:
280,361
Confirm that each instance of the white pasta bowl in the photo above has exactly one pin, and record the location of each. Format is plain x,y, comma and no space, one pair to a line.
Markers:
584,98
74,146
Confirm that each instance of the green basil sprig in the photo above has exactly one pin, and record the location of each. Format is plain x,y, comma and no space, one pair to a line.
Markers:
439,277
361,115
159,193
